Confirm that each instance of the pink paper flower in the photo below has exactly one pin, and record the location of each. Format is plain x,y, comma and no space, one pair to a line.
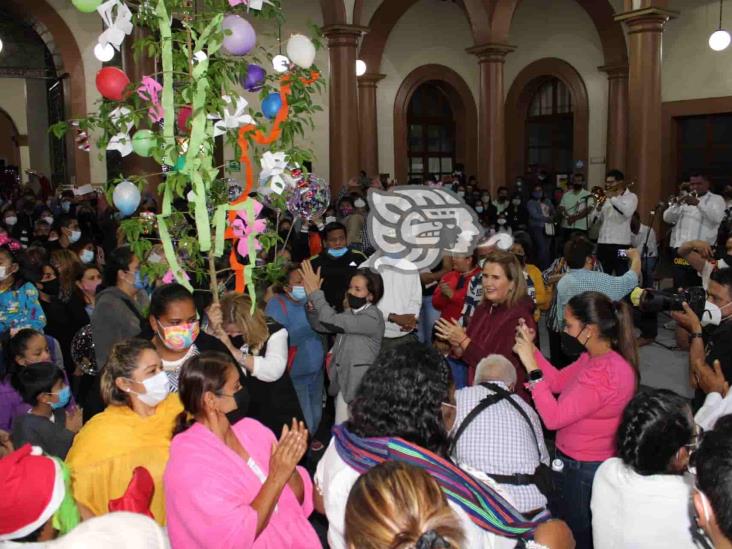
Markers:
150,91
242,229
169,277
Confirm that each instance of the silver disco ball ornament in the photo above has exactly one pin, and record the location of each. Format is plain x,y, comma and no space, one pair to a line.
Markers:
82,351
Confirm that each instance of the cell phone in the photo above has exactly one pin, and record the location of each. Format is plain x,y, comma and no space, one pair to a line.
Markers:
623,254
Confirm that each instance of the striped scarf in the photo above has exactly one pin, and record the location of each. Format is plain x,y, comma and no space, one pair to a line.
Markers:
486,508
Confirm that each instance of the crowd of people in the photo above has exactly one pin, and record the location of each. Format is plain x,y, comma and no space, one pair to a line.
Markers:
494,400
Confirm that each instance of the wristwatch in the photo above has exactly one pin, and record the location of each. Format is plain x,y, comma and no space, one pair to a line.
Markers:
535,376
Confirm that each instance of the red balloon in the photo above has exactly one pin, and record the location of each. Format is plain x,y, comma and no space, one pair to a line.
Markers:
184,118
111,83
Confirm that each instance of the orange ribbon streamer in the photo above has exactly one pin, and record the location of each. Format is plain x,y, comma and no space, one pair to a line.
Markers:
261,139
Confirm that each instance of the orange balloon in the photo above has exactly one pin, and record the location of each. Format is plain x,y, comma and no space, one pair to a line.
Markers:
111,83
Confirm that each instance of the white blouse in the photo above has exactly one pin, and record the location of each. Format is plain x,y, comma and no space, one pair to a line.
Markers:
632,511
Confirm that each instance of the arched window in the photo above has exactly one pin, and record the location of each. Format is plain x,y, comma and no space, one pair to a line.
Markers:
431,137
549,127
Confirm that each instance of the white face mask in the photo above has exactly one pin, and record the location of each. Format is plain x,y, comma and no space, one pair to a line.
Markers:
712,315
154,258
11,220
74,236
48,219
330,219
86,256
4,273
157,388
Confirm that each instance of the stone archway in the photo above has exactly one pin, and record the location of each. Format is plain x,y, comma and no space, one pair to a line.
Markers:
600,11
462,104
517,105
61,43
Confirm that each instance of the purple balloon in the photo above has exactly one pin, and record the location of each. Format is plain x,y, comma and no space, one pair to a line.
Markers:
242,38
254,79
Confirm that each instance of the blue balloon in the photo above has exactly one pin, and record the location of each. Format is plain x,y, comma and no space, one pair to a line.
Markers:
271,105
126,198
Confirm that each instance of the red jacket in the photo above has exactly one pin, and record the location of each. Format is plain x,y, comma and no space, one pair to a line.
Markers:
492,330
451,307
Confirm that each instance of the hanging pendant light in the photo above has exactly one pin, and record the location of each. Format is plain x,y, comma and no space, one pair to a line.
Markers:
719,39
1,45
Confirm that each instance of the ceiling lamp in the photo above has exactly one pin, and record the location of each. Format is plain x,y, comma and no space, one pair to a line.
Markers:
719,39
360,67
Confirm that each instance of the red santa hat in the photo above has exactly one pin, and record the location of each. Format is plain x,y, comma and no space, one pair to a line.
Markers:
32,490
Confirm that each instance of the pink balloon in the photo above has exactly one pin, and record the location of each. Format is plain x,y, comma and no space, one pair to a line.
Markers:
242,39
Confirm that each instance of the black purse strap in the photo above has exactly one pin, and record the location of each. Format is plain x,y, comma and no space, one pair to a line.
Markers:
499,393
507,395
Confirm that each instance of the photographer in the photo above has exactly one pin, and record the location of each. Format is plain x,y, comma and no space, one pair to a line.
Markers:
711,336
700,257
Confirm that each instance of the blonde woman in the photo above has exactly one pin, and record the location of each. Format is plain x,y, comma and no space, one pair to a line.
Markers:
66,264
400,506
259,345
133,431
492,328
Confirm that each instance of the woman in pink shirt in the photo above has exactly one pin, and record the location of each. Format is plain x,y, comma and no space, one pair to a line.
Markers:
233,486
592,394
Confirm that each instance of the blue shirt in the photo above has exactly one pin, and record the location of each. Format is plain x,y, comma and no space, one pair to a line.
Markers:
19,308
310,353
578,281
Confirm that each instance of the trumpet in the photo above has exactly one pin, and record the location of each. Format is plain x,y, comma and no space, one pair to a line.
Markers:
601,194
676,199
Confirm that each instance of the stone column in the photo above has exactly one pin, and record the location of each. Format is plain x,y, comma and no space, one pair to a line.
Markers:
368,124
343,103
491,110
617,116
645,38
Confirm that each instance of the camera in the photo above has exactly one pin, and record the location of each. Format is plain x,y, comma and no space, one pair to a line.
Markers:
655,301
623,254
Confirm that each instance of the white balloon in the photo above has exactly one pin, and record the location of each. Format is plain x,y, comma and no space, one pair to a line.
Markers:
719,40
280,63
104,52
301,50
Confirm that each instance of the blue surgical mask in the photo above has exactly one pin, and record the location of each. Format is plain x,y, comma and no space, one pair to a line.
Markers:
479,209
338,252
298,293
86,256
139,283
74,236
64,396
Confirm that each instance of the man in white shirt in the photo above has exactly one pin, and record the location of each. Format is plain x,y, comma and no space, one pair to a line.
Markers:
402,299
695,216
500,438
615,214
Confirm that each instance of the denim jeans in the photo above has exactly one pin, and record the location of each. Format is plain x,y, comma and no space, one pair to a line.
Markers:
459,372
427,318
309,391
572,495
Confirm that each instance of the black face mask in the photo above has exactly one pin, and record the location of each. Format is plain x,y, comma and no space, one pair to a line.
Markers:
578,186
571,346
356,302
242,402
237,341
51,287
727,259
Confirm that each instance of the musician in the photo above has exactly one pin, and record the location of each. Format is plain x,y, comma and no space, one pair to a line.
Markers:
615,210
575,208
695,216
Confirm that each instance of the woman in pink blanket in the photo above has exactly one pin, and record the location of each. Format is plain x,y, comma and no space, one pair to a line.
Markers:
233,486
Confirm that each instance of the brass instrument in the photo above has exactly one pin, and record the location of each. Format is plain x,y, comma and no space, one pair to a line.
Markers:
676,199
601,194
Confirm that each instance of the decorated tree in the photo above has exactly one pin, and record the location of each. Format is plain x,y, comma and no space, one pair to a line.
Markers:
210,65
